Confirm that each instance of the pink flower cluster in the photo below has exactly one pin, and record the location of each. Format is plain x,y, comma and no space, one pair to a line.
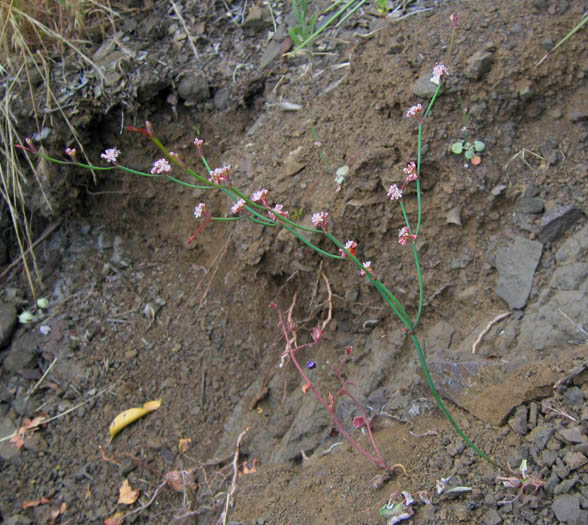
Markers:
414,111
321,220
110,155
160,166
260,196
200,210
404,236
238,207
220,175
351,247
279,210
394,192
438,71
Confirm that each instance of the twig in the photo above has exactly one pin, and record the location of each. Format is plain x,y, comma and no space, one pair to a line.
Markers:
235,474
40,380
485,331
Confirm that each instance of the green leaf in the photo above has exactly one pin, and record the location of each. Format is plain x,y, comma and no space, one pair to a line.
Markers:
479,145
469,154
457,147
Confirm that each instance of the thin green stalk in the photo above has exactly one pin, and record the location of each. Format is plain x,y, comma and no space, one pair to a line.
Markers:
444,409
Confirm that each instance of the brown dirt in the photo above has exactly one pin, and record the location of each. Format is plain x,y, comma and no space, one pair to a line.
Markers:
214,345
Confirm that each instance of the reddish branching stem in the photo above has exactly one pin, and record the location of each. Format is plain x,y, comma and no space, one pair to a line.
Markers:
288,327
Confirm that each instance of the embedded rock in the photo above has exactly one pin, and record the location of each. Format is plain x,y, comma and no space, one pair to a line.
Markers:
516,264
556,221
7,323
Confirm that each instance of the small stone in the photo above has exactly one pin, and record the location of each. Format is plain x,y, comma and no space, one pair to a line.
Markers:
492,517
548,457
573,397
567,508
572,435
540,435
533,408
423,87
519,422
575,460
531,205
565,486
558,220
130,354
193,88
480,62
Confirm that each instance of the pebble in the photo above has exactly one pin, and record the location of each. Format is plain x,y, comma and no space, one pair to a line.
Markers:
540,435
572,435
575,460
573,397
566,485
492,518
567,508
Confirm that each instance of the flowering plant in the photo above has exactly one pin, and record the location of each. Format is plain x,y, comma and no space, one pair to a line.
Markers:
257,208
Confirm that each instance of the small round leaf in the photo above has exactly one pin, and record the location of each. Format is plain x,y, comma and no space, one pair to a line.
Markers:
479,145
469,154
457,147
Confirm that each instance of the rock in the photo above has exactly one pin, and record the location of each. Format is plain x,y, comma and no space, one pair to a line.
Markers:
423,87
573,397
572,434
565,486
567,508
258,19
492,518
21,355
292,164
540,435
193,88
575,248
556,221
531,205
7,449
17,519
516,264
575,460
8,319
222,99
480,62
519,422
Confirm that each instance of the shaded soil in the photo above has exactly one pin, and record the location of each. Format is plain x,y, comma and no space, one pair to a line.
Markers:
137,313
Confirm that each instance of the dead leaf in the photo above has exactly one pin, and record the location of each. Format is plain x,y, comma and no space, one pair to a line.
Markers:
248,467
132,414
184,444
116,519
35,502
28,424
57,511
127,496
180,480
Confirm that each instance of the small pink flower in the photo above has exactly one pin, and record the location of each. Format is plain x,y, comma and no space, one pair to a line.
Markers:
277,209
198,143
71,153
411,172
317,143
404,236
160,166
359,421
351,247
414,111
317,333
238,207
453,19
110,155
260,196
367,268
321,220
200,210
220,175
395,193
438,71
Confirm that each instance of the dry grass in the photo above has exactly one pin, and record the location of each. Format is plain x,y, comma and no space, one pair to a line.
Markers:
33,35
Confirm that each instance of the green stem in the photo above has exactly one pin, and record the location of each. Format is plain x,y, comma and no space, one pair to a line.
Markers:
444,409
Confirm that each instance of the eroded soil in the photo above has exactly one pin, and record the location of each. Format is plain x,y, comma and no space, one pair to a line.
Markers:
137,313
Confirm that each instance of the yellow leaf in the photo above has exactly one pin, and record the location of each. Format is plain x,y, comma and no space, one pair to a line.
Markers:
127,496
184,444
117,519
132,414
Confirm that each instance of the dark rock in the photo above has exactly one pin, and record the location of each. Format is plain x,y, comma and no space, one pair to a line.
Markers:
516,264
565,486
8,319
531,205
573,397
567,508
540,435
21,355
548,457
556,221
575,248
519,421
480,62
258,19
